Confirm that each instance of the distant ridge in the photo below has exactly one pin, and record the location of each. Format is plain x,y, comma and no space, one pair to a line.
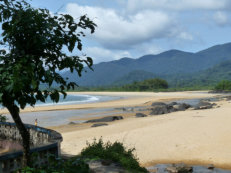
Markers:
172,62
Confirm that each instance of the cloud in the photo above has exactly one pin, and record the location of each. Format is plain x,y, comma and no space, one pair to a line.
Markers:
116,31
136,5
100,54
185,36
220,18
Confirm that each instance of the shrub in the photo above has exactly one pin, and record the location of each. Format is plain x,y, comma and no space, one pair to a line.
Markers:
115,152
3,118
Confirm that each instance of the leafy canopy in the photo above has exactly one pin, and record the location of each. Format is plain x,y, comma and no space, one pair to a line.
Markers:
32,42
147,85
223,85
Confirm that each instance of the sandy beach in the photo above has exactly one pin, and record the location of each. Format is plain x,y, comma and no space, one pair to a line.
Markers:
192,136
128,99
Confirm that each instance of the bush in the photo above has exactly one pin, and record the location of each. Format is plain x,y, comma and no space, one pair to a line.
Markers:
3,118
115,152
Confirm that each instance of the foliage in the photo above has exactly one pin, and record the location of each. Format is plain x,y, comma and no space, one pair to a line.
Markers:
33,43
115,152
147,85
35,40
98,150
134,76
223,85
73,165
3,118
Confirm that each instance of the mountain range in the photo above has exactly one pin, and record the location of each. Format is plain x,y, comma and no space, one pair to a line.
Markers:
175,66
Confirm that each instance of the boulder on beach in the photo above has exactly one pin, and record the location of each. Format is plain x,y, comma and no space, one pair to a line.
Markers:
172,103
204,105
141,115
72,123
161,109
105,119
181,107
158,104
99,124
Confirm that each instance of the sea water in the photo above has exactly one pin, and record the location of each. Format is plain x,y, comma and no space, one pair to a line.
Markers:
61,117
70,99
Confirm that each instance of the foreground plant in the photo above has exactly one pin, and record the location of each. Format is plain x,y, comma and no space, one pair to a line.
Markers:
32,43
98,150
115,152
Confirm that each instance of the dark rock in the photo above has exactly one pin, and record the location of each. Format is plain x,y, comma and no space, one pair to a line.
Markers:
172,104
181,107
204,105
162,109
72,123
210,167
141,115
99,124
186,169
159,104
158,110
105,119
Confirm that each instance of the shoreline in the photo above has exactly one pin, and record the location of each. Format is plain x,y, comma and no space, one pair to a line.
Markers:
173,137
167,147
192,136
134,98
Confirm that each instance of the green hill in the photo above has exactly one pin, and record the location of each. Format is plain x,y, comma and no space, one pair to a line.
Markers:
174,65
207,77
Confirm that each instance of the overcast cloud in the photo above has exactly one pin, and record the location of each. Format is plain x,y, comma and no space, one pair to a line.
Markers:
136,27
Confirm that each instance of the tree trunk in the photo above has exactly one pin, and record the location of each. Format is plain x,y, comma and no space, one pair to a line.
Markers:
14,111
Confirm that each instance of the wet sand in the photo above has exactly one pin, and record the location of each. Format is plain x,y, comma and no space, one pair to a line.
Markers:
192,136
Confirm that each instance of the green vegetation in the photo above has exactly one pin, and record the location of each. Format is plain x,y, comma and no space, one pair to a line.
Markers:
98,150
115,152
3,118
134,76
165,65
32,42
147,85
203,80
155,84
224,85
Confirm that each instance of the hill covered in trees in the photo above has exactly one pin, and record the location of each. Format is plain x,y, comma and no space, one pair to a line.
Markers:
177,67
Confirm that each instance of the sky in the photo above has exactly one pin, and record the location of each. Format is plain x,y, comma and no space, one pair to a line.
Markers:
133,28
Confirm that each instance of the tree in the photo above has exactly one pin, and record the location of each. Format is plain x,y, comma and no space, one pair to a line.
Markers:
223,85
32,52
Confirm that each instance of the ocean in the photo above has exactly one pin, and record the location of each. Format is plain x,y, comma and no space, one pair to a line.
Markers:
61,117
